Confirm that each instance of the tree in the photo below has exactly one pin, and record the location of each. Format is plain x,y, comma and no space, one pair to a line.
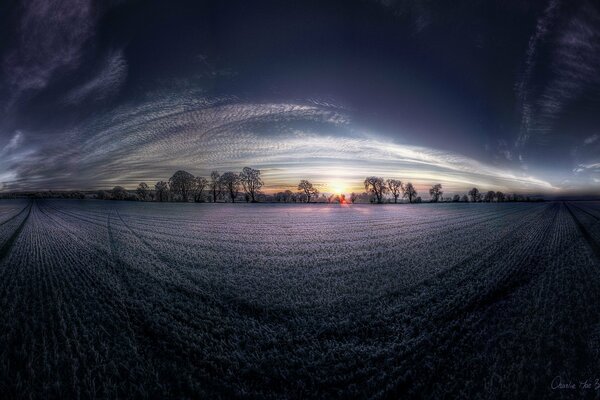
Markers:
395,187
489,196
142,190
215,185
182,183
162,191
201,184
475,195
231,182
410,192
119,193
376,186
465,198
353,197
436,192
456,198
288,196
308,189
251,182
499,197
104,195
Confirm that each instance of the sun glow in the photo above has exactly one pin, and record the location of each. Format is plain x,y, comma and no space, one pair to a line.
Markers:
337,187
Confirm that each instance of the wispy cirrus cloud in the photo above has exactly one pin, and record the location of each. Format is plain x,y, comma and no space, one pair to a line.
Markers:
105,83
287,141
573,50
13,143
49,38
523,85
591,139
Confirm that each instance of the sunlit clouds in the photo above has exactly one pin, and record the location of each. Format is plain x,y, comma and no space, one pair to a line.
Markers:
288,142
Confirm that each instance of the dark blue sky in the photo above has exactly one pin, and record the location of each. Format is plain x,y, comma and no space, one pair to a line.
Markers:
503,95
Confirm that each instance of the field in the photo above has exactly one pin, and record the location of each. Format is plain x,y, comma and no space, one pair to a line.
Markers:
116,299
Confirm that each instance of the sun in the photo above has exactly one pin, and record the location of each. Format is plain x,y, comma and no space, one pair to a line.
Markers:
338,188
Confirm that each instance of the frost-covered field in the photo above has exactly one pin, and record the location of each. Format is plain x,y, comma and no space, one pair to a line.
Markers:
116,299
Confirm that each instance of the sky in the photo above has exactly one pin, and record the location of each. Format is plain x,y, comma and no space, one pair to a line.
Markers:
502,95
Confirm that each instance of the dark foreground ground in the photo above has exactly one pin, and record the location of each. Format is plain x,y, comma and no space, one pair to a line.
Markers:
132,300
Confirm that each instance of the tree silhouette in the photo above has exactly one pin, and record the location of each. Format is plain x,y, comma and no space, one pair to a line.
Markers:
288,196
376,186
308,189
500,197
215,185
410,192
231,183
395,187
201,184
475,195
251,182
162,191
353,197
489,196
142,190
436,192
456,198
119,193
183,184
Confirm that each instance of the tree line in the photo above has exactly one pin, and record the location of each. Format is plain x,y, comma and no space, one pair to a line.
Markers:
246,186
185,187
378,187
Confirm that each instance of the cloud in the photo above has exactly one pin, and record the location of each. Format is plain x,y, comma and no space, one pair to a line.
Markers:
287,141
13,144
591,139
49,38
107,82
574,68
522,87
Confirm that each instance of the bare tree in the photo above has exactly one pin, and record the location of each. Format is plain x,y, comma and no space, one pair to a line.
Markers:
489,196
182,183
500,197
456,198
376,186
215,185
231,182
465,198
353,197
308,189
119,193
251,182
201,184
162,191
288,196
410,192
103,195
474,195
142,190
436,192
283,196
301,197
395,187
